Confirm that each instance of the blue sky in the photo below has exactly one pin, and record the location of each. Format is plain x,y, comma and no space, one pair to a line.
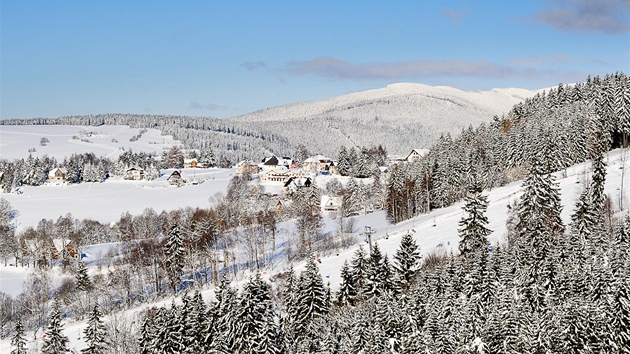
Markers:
223,58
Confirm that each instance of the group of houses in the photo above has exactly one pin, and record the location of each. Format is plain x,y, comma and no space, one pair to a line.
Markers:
282,169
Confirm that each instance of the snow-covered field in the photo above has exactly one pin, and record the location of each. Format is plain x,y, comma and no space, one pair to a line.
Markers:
106,202
64,140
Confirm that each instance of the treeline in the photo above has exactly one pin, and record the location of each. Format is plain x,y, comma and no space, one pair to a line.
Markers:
559,128
232,141
87,167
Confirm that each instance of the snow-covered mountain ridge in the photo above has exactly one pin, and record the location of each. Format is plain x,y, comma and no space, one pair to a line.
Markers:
494,101
400,116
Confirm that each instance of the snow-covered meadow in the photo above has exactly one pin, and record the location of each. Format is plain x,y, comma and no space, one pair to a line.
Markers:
64,140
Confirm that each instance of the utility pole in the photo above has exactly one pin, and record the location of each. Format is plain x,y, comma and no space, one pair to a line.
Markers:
368,233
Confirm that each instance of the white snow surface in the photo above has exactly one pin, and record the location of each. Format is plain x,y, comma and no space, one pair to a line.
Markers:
16,140
107,201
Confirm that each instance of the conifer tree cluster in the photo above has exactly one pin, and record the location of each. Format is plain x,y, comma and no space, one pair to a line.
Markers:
554,289
555,129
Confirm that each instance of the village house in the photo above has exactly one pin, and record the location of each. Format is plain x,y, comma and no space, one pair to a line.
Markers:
297,182
246,167
134,173
62,245
416,154
279,174
269,163
57,175
192,163
320,164
330,203
176,178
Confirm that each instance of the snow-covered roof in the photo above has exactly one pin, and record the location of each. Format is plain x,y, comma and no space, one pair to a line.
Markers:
330,200
54,171
278,171
176,174
318,158
421,152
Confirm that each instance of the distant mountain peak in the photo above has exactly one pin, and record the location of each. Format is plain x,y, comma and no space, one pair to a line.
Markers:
400,116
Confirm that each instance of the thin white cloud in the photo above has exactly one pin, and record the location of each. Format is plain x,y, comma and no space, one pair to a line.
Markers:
454,15
540,61
537,61
334,68
253,65
447,70
606,16
210,106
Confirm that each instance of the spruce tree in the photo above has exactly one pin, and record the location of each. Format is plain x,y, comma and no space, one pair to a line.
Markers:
473,232
174,252
539,209
95,333
407,259
597,185
257,332
145,342
360,268
347,293
311,299
82,278
18,341
55,342
343,162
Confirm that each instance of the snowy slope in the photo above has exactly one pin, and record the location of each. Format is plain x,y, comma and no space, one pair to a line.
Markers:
495,101
401,117
64,140
429,237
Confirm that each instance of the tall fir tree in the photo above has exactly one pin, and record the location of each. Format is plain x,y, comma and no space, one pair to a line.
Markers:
343,162
347,293
56,342
18,341
174,252
407,259
311,298
360,267
540,207
82,277
95,334
473,233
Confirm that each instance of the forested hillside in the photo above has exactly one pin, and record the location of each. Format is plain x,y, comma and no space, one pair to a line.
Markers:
550,288
558,128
